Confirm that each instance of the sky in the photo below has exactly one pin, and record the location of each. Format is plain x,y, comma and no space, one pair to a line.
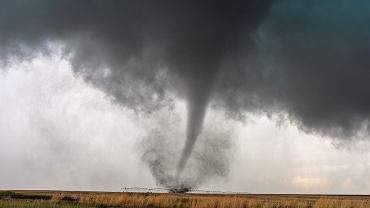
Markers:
259,96
58,132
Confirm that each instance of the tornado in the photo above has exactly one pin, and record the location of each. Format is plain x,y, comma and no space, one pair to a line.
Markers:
214,32
196,113
197,102
140,52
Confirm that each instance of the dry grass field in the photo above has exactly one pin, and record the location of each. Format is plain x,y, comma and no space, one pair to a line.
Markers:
59,199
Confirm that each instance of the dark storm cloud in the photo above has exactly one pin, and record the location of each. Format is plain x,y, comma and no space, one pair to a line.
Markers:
124,47
136,41
313,62
306,58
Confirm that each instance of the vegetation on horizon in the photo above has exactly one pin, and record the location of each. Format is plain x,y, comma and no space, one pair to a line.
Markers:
152,200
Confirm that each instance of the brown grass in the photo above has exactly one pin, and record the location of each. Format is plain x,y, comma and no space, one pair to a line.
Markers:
157,200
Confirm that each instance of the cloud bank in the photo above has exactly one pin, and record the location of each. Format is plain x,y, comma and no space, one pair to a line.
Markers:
308,59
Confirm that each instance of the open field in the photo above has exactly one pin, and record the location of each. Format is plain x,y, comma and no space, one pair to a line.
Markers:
66,199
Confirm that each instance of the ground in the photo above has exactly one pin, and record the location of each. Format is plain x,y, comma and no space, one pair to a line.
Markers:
69,199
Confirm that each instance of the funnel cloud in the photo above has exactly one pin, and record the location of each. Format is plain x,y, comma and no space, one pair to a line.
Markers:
209,161
307,59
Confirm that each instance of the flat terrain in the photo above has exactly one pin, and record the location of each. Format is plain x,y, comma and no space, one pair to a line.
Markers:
66,199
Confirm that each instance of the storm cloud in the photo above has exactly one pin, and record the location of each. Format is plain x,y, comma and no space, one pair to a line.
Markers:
308,59
312,62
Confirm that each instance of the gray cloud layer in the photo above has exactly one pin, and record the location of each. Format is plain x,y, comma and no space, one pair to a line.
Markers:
312,62
306,58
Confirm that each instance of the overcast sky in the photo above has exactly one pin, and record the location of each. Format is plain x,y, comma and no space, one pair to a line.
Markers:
57,132
262,96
